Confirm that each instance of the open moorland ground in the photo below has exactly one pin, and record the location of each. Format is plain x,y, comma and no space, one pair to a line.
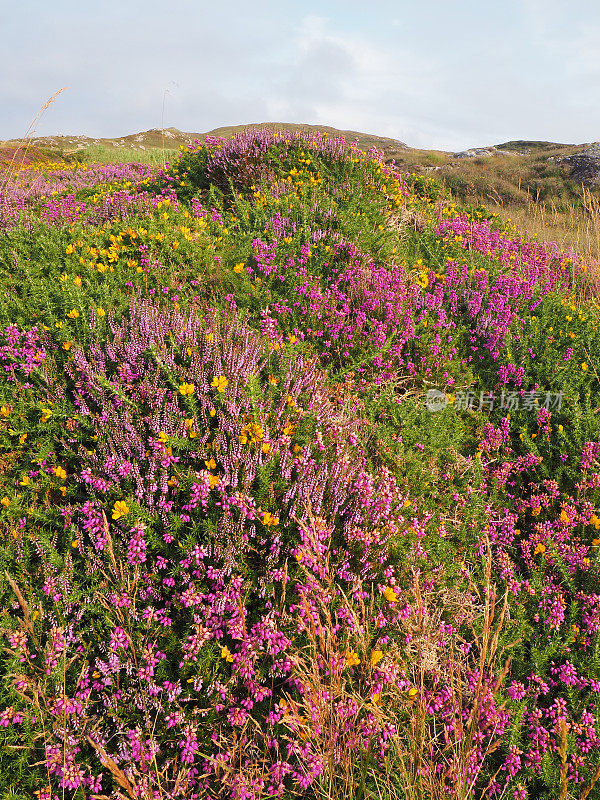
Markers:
300,482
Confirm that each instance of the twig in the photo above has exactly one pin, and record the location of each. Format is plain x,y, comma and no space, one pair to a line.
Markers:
24,607
110,765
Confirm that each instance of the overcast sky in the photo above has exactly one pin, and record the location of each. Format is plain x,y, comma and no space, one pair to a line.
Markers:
446,74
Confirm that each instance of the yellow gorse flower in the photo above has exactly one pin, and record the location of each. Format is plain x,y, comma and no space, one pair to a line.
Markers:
60,472
226,654
220,383
120,509
73,313
252,433
376,656
187,388
390,594
352,659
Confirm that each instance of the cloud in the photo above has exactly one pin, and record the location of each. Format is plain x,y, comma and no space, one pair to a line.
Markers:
307,70
432,74
347,81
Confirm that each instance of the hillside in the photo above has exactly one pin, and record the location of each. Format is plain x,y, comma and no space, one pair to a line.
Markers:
548,187
513,173
172,138
300,488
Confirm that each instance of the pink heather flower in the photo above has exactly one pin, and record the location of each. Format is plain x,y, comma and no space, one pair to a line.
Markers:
589,454
189,746
136,549
516,690
118,639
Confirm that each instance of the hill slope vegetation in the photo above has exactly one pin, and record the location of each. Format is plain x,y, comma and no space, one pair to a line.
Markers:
300,491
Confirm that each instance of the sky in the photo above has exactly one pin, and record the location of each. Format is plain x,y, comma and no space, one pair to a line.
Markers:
435,74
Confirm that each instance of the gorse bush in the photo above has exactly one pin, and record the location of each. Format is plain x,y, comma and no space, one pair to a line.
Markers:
300,486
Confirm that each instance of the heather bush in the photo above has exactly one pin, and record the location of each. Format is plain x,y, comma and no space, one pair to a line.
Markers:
221,462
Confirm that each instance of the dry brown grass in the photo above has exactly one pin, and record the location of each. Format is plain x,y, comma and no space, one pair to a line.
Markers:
419,746
577,227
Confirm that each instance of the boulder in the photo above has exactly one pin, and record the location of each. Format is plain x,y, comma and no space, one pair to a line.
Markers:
585,165
475,152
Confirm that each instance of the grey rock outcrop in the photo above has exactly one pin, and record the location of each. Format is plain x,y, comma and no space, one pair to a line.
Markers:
585,165
475,152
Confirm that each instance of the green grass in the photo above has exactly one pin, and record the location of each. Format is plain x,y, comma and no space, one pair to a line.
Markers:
106,154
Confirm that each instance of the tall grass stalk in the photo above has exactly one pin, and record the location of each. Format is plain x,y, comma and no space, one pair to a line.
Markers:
423,750
27,139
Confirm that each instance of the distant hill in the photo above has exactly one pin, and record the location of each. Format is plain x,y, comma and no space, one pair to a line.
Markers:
172,138
526,146
66,145
519,171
